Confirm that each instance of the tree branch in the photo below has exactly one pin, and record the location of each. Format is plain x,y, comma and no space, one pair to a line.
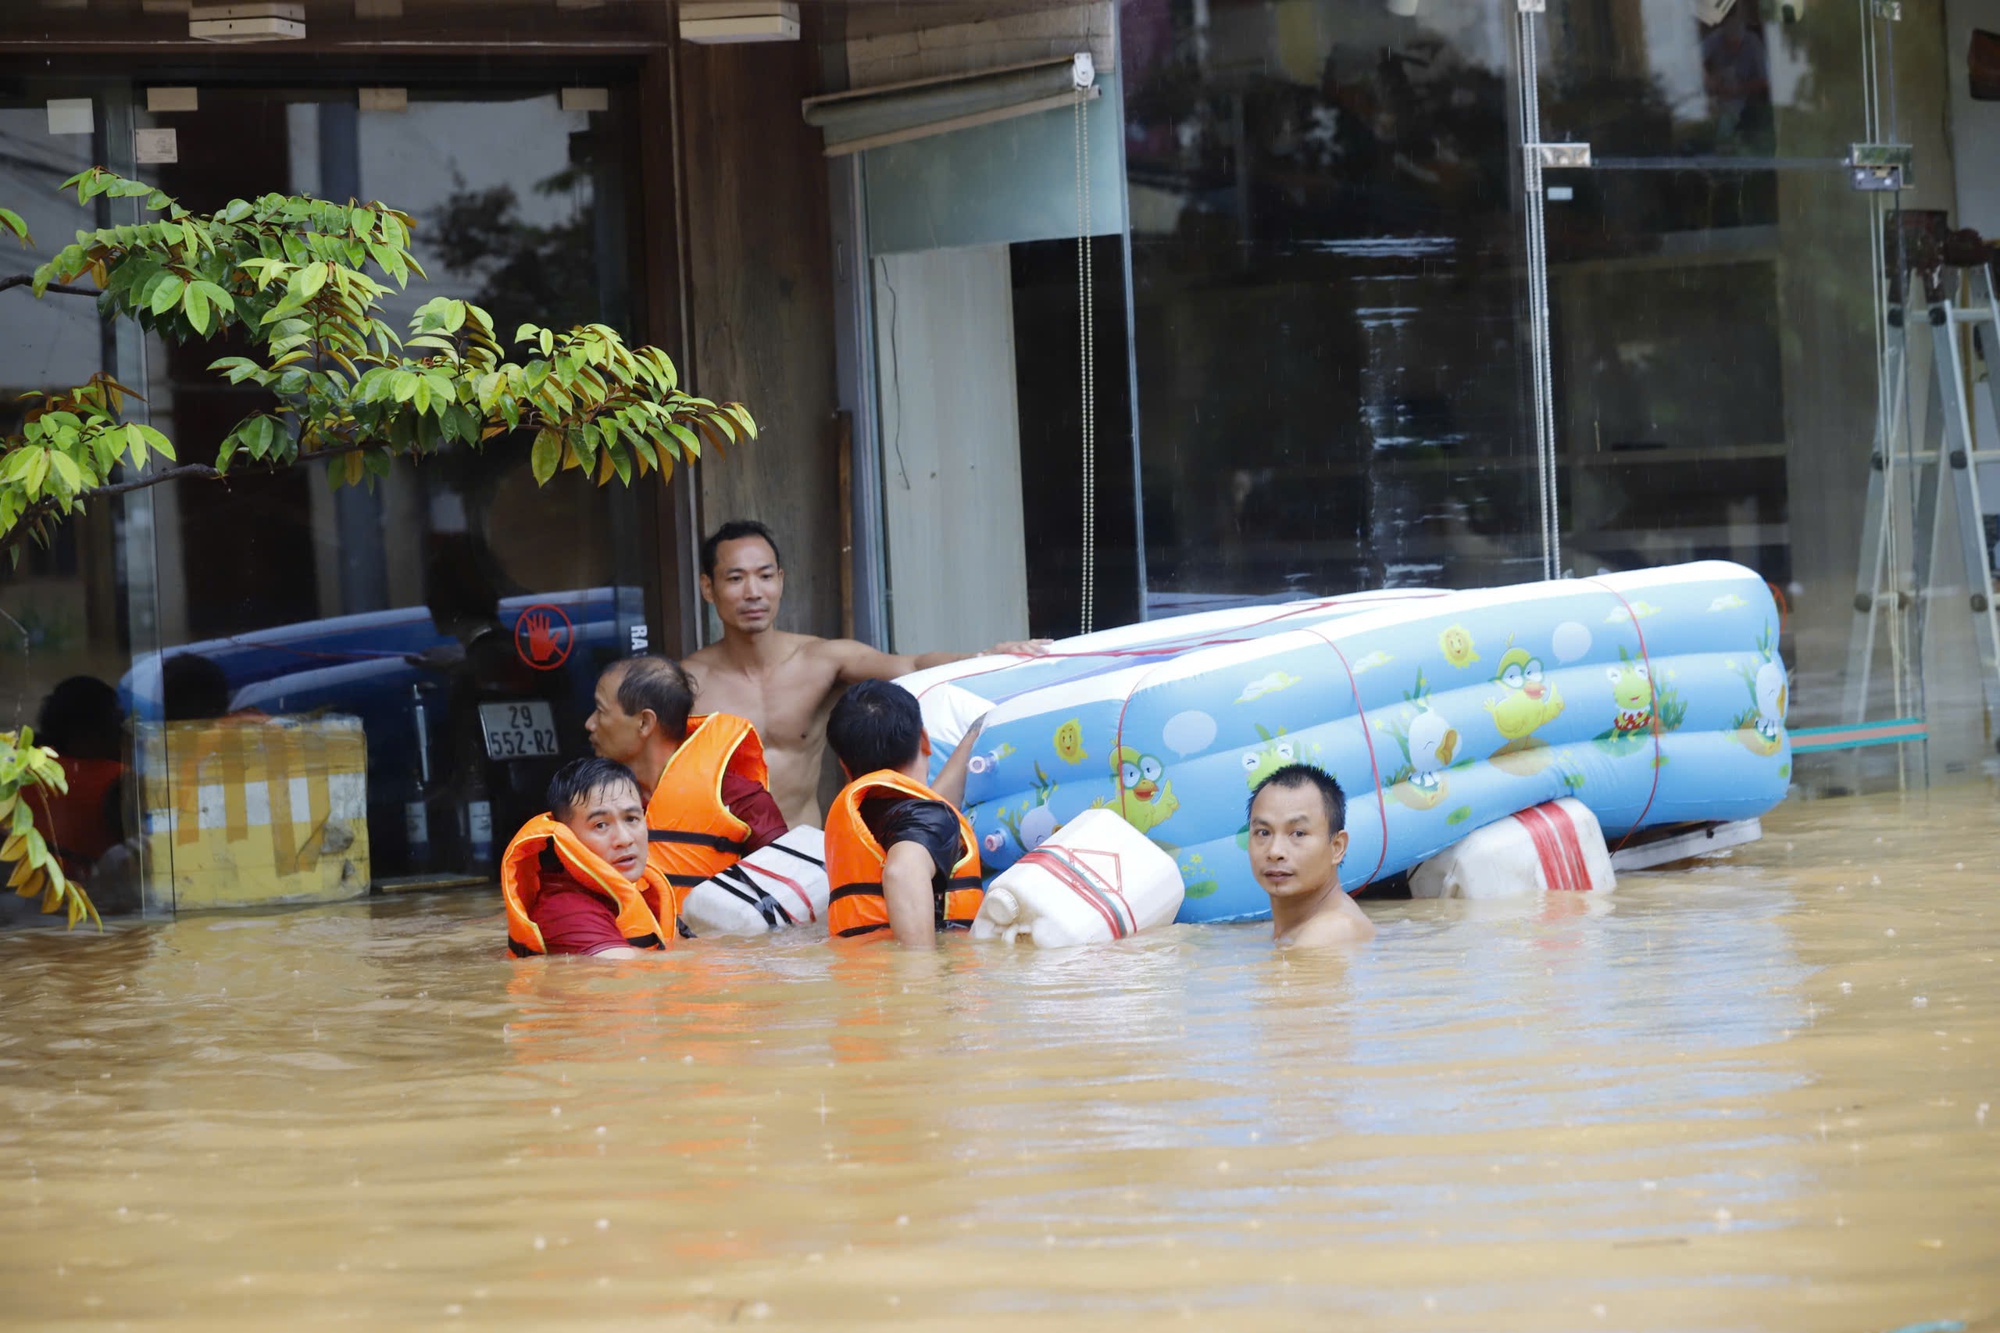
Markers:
65,289
24,526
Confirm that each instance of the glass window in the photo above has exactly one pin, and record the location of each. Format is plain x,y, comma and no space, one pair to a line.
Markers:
66,635
390,672
1325,261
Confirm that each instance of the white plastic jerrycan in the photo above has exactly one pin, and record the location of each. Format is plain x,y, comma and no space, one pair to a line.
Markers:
781,885
1094,880
1552,848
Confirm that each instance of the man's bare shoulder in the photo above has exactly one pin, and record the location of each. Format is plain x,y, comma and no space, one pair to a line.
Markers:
1341,922
788,649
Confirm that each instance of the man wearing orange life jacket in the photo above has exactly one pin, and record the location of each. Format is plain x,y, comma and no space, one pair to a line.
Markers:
900,856
708,802
576,880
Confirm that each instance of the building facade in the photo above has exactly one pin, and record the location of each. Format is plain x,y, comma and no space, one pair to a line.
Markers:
1258,300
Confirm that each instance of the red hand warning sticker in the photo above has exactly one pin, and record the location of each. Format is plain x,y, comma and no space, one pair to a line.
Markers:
543,636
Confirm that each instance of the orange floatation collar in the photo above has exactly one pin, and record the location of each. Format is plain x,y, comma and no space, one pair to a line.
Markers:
854,860
645,909
693,834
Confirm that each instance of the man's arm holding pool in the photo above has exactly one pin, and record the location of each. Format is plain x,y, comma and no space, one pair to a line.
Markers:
854,661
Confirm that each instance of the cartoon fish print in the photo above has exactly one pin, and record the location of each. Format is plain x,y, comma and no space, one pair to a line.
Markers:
1069,742
1456,645
1266,684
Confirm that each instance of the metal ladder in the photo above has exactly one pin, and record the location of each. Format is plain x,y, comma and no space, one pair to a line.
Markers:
1944,474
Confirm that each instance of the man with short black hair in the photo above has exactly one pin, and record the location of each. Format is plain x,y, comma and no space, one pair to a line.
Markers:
575,880
899,856
1298,838
706,801
786,683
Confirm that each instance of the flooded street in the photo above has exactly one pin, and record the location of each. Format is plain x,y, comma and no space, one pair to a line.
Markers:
1759,1095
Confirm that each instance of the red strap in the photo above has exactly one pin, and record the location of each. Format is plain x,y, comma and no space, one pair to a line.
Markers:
1174,648
1374,768
805,898
1572,845
1555,872
1068,875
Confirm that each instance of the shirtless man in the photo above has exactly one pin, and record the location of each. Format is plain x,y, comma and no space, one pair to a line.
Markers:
785,683
1298,838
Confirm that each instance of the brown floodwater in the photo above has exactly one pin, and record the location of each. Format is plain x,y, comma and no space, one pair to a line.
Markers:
1761,1094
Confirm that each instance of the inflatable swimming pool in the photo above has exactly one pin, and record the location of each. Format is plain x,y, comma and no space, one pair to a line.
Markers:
1654,697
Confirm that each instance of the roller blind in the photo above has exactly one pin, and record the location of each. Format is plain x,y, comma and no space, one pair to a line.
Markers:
897,113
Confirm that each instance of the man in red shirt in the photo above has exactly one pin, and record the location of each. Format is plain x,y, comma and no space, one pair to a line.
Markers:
601,804
641,720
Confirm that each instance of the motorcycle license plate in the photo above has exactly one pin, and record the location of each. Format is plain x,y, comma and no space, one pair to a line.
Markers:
518,731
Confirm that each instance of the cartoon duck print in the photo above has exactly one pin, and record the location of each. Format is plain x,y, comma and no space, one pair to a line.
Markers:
1145,798
1761,728
1771,691
1069,742
1429,743
1433,743
1527,702
1456,645
1034,823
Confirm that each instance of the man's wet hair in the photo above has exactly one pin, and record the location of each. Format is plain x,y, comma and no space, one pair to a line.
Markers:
660,684
578,780
877,724
1293,777
736,530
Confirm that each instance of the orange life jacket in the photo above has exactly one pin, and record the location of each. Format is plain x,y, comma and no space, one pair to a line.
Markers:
645,909
693,835
854,862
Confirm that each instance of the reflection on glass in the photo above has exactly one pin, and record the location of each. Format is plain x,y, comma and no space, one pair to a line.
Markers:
1325,255
64,635
455,612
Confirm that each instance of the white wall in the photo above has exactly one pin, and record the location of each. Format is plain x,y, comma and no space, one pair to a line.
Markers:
951,449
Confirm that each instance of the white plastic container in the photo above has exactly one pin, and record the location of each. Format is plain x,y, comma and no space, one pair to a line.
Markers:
1094,880
777,886
1552,848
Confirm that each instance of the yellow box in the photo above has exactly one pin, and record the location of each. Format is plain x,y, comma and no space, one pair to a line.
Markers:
249,812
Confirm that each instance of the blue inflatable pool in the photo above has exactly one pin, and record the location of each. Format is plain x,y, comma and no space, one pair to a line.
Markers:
1654,697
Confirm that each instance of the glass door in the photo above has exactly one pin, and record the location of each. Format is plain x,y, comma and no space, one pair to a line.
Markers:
1722,359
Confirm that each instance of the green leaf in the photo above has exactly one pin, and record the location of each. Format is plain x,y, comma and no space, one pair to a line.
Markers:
545,456
67,471
166,291
11,221
195,303
306,282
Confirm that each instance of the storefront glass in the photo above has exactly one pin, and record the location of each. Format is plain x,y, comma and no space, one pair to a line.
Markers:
1334,323
1326,260
372,685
